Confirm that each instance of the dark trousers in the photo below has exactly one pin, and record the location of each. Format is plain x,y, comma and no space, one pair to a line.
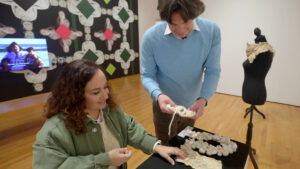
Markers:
162,120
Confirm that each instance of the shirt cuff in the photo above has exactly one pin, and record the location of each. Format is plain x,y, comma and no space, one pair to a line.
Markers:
203,98
155,94
158,142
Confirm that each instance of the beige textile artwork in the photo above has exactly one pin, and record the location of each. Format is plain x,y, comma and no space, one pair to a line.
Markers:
198,140
197,161
181,111
255,49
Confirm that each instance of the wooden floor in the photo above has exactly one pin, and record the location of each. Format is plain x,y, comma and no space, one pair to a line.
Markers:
276,138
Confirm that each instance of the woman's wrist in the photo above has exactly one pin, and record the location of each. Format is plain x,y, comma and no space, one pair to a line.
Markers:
158,143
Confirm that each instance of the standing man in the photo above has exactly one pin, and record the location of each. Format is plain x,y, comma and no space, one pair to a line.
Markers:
175,54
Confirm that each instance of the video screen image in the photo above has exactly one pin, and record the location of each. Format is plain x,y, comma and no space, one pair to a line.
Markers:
23,53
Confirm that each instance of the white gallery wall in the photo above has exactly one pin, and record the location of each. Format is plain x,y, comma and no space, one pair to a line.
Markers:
279,22
147,15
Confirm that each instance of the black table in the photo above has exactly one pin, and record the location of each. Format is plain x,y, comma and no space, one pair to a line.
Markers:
237,160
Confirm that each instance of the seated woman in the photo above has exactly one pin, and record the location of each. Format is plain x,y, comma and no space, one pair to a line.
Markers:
85,128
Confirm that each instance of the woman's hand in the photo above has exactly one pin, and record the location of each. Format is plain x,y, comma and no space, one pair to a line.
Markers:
166,152
118,156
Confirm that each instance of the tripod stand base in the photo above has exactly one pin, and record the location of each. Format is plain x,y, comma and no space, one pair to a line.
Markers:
249,134
251,108
252,158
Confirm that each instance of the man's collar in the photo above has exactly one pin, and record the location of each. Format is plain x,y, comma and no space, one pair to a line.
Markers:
195,27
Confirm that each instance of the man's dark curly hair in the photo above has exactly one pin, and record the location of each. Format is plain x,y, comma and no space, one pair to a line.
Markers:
67,94
189,9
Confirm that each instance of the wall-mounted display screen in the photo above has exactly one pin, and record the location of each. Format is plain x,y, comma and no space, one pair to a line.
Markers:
23,53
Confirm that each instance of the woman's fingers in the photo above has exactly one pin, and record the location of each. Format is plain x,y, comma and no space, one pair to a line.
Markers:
165,152
119,156
168,158
179,153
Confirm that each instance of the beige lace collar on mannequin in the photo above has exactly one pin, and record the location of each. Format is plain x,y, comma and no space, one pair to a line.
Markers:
255,49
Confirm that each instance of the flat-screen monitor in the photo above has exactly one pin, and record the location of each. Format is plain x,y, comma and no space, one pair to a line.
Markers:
23,53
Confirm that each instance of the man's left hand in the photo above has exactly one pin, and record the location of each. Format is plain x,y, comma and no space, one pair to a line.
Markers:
198,107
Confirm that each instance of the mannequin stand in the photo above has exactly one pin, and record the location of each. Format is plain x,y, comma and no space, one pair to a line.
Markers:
249,135
250,109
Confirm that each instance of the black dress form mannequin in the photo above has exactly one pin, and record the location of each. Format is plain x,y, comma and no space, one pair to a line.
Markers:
254,89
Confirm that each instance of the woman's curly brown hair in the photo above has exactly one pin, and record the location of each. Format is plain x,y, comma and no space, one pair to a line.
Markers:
67,94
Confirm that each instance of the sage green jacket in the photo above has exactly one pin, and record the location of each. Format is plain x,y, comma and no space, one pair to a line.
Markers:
57,147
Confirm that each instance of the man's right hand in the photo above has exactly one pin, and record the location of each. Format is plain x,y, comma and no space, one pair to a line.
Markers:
163,101
118,156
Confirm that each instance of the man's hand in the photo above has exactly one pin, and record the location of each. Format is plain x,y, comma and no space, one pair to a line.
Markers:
166,152
163,101
198,107
118,156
